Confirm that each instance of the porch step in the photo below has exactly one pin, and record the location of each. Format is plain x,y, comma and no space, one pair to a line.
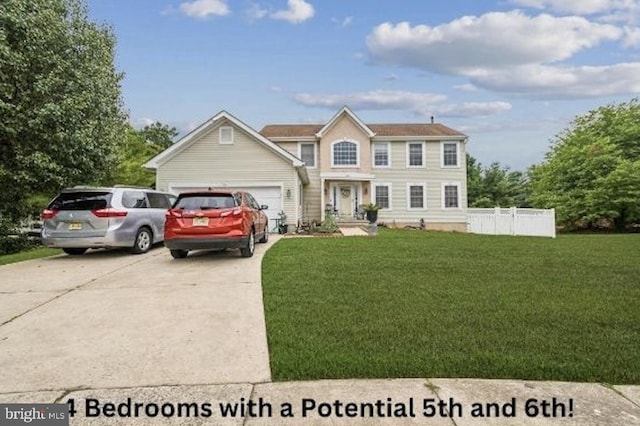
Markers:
353,231
351,223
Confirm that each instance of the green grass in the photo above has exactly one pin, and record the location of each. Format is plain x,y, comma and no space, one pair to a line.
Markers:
422,304
36,253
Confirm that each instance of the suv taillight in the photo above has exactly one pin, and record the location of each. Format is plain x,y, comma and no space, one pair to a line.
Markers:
48,214
109,213
173,213
234,212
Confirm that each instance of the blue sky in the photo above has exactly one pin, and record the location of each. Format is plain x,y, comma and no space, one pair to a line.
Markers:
511,74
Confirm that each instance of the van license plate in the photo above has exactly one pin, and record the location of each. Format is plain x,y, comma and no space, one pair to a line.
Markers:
200,221
75,226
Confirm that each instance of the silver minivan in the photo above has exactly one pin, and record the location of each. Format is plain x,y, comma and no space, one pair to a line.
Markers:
81,218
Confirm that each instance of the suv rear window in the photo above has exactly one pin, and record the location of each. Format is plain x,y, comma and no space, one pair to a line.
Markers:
81,201
205,201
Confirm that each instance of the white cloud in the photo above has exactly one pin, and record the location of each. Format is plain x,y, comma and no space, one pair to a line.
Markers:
140,122
204,8
256,12
512,53
580,7
391,77
467,87
546,82
298,11
421,104
492,40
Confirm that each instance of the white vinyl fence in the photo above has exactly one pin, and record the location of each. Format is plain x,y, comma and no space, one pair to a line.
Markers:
512,221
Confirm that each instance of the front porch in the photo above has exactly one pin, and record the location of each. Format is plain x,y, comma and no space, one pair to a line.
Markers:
344,195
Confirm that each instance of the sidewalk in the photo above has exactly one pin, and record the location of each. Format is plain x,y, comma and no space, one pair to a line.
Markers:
355,402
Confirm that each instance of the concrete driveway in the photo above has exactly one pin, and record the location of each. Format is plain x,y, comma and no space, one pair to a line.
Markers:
109,319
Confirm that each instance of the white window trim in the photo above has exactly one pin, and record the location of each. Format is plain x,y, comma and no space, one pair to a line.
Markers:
424,151
346,166
457,184
373,193
315,153
442,144
220,140
424,195
373,155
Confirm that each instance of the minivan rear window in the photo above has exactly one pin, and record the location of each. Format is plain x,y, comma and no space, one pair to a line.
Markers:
205,201
81,201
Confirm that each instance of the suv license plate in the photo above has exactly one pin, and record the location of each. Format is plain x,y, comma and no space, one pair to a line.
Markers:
200,221
75,226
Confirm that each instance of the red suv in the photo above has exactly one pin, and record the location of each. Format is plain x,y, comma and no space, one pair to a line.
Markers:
215,219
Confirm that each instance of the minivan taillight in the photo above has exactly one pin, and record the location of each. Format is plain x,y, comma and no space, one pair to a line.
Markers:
109,213
234,212
48,214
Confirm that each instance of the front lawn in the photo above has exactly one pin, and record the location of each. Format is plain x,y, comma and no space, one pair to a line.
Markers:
35,253
426,304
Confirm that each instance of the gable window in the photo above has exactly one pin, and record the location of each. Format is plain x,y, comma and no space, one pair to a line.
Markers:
307,153
226,135
416,193
415,154
382,195
450,154
345,153
381,155
450,195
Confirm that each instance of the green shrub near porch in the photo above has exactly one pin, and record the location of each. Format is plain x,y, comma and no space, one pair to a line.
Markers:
425,304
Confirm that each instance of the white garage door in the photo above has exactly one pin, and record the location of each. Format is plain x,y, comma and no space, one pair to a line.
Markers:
269,195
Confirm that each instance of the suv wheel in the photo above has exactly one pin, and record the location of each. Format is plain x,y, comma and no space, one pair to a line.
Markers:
251,245
265,237
178,254
143,242
74,251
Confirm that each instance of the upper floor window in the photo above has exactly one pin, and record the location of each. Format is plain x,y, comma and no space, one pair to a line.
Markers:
226,135
307,153
381,155
345,153
450,154
415,154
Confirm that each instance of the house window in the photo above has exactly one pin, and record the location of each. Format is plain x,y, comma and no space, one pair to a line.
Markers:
451,195
382,193
307,153
450,154
415,154
416,193
226,135
345,153
381,154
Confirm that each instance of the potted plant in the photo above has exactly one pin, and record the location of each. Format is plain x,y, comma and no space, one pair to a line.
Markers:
371,211
282,222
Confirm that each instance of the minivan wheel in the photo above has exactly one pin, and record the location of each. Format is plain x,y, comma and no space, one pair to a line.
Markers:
143,241
178,254
251,245
74,251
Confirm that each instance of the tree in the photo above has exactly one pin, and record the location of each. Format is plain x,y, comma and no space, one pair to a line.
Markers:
133,151
159,134
495,186
592,172
60,102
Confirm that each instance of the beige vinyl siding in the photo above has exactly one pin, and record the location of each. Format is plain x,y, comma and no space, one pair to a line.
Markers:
345,129
246,162
433,175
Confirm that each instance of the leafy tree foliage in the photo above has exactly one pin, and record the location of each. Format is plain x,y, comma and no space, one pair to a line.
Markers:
592,172
495,186
60,103
133,151
159,134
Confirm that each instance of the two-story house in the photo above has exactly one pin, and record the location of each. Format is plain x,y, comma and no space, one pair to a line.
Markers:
413,171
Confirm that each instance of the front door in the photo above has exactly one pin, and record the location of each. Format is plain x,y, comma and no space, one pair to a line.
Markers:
346,200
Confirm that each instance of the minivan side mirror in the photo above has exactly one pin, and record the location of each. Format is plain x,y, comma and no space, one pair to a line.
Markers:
264,207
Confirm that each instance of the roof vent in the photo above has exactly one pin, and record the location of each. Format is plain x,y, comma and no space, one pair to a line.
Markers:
432,119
